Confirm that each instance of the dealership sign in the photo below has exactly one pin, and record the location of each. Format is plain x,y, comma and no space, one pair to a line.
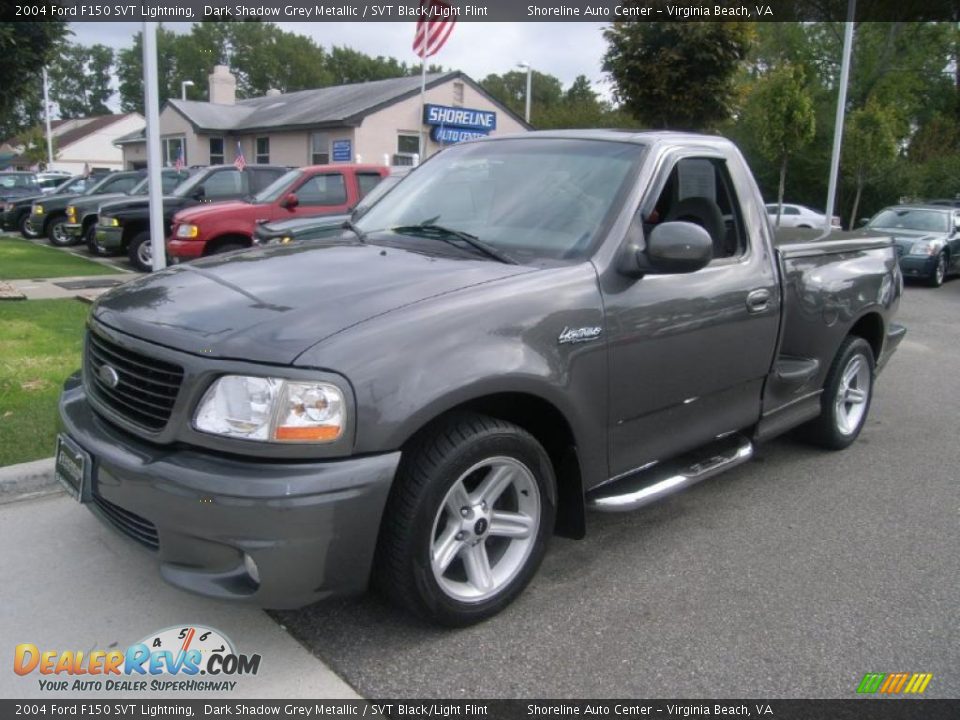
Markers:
453,124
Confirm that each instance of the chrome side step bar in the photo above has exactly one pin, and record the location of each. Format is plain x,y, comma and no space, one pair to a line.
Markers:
648,486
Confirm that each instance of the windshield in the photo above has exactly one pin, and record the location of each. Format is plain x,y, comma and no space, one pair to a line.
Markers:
17,180
379,190
534,199
912,219
275,189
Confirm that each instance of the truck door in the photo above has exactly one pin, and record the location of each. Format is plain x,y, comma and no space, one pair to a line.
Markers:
689,353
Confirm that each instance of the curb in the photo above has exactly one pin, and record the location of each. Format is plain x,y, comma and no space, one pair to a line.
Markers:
27,480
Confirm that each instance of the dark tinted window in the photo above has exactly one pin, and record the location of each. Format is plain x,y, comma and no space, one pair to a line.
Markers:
119,184
323,190
262,177
216,151
224,184
367,182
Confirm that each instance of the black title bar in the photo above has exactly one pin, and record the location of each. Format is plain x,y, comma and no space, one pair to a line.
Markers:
480,10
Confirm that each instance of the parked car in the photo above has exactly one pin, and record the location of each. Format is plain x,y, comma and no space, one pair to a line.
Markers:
16,213
15,184
310,191
324,226
800,216
927,238
82,212
124,226
48,215
515,337
955,202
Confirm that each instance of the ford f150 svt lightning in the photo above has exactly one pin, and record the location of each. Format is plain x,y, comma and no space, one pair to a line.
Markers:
523,329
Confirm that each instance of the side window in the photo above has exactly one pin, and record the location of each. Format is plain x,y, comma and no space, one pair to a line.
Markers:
367,182
225,184
119,185
323,190
790,210
262,177
700,190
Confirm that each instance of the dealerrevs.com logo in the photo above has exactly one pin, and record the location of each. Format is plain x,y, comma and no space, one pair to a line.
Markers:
895,683
170,660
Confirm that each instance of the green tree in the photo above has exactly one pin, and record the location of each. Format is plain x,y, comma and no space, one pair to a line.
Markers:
676,74
35,146
783,118
869,147
80,80
26,48
546,91
130,70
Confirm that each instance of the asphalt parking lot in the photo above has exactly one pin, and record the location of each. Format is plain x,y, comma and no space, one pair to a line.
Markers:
791,576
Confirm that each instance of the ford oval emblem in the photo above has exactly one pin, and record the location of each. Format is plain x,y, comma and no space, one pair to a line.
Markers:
109,376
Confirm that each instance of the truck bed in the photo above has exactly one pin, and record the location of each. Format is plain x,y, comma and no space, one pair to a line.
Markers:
803,242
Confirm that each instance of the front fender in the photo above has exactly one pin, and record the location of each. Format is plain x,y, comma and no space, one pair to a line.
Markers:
409,366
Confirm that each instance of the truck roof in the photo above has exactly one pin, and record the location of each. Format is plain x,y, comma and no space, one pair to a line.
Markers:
640,137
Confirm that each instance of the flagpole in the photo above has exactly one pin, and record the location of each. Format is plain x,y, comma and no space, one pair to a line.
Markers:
423,102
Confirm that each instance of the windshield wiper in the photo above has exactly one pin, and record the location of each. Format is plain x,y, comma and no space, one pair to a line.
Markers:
348,225
448,234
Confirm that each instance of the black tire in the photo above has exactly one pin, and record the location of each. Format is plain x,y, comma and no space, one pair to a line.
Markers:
940,271
228,247
25,228
430,468
829,430
134,254
56,233
90,240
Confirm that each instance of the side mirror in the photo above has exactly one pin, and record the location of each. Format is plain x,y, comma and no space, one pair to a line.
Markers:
956,222
199,193
290,201
862,222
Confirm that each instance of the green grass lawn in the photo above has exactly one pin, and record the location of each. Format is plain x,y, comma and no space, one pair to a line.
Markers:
23,260
40,346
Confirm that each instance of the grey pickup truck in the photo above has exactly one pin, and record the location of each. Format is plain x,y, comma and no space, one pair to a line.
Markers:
524,329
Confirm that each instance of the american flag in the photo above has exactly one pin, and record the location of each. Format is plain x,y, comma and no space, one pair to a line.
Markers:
239,162
434,27
178,163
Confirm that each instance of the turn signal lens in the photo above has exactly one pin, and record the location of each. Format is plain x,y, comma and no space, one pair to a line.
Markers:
38,209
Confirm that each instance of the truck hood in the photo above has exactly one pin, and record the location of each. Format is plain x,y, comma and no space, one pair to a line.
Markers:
92,202
271,304
230,208
133,202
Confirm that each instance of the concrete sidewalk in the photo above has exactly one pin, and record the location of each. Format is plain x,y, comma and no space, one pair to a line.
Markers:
69,582
52,288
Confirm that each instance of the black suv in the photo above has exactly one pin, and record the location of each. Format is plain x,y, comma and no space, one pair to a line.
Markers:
124,225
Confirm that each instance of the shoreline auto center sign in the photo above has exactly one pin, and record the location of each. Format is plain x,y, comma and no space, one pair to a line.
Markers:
454,124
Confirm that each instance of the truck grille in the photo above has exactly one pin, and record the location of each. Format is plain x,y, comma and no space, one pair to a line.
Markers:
146,388
136,527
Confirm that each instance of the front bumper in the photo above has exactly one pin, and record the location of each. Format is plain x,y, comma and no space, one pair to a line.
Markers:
73,229
110,238
8,220
918,265
185,249
310,527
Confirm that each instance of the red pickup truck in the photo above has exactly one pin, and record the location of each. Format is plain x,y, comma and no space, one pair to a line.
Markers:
315,190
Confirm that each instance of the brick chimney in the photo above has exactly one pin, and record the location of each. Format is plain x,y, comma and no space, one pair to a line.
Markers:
223,86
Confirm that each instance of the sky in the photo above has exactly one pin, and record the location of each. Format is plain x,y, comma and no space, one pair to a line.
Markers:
563,49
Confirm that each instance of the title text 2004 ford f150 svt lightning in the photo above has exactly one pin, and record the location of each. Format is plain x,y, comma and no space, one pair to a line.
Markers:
524,328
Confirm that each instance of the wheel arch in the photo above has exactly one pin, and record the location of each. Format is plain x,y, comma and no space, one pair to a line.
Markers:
551,428
212,246
870,327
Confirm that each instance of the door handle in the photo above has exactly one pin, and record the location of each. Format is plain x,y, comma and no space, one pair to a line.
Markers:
758,300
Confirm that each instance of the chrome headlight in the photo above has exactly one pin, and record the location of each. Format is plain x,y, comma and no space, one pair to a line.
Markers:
188,231
924,248
38,209
272,410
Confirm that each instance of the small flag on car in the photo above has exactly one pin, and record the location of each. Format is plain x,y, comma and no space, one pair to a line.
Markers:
436,22
239,162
